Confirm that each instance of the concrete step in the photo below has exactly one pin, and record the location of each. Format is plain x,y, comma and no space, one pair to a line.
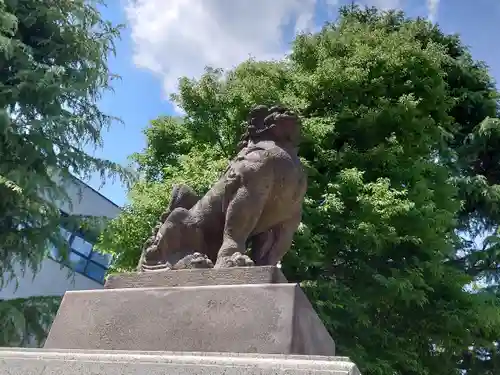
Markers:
84,362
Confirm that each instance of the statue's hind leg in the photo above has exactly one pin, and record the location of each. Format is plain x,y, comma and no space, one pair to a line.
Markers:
182,196
167,242
274,244
178,244
260,245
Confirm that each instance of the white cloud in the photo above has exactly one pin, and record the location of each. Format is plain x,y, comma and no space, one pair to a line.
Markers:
180,37
177,38
385,4
432,8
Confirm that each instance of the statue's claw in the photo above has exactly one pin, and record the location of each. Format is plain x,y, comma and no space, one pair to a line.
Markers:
201,261
235,260
195,260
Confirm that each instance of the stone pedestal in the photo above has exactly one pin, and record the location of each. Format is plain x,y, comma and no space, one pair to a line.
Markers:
249,318
186,322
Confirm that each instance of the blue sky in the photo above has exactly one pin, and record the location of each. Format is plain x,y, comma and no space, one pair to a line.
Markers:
168,39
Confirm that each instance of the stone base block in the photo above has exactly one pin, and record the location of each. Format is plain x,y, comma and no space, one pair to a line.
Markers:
258,318
197,277
57,362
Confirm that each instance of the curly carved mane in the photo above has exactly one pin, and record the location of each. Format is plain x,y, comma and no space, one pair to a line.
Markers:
260,120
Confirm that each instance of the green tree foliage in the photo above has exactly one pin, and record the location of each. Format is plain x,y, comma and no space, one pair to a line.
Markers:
400,133
26,321
52,72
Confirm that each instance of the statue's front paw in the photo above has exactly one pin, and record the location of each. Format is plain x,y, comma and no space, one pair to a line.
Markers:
241,260
194,260
201,261
235,260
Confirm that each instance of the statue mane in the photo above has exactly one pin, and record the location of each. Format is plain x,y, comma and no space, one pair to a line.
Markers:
261,119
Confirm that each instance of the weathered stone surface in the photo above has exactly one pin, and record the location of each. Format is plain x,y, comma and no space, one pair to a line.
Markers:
256,202
259,318
197,277
64,362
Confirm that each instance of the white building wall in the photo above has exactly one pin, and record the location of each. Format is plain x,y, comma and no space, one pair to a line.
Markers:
54,279
86,201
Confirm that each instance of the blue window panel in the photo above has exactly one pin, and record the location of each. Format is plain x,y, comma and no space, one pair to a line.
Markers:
81,246
81,258
54,252
95,271
77,262
103,259
66,234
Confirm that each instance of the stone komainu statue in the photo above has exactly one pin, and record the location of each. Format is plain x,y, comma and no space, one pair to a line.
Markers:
256,203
